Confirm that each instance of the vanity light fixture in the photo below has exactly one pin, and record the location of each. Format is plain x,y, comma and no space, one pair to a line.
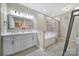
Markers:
17,13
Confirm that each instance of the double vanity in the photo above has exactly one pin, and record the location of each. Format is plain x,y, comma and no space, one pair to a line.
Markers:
19,32
16,42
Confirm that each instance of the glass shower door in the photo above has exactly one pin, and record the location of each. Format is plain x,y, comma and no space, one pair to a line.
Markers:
72,32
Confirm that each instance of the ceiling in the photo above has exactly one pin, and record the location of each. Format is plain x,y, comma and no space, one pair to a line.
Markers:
51,9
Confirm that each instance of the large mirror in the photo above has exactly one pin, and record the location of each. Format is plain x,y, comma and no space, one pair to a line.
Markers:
18,22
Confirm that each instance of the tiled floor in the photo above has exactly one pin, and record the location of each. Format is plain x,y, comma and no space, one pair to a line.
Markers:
53,50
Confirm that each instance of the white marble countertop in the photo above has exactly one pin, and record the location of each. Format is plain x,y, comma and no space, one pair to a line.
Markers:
16,33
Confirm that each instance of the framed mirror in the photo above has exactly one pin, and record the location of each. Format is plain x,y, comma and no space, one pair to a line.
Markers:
18,22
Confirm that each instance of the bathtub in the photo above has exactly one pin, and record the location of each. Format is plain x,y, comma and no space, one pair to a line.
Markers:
49,38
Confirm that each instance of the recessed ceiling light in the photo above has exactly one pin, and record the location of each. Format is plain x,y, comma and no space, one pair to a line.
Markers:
77,8
67,8
44,10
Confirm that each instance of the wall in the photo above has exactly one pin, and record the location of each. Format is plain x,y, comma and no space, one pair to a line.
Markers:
41,22
78,25
0,33
0,25
3,18
64,21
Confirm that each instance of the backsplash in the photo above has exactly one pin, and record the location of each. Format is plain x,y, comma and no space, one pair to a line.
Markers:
19,30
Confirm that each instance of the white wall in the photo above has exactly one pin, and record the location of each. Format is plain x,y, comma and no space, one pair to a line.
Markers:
0,25
0,34
3,18
64,22
41,22
78,25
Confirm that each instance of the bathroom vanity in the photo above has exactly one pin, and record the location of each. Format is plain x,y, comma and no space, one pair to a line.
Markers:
16,42
20,34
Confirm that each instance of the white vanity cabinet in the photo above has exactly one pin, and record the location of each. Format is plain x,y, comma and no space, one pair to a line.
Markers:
11,44
16,43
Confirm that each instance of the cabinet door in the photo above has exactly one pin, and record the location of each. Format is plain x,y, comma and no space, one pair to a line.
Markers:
34,39
16,43
21,42
7,46
27,41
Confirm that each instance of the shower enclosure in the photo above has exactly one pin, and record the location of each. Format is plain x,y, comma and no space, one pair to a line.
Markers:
74,14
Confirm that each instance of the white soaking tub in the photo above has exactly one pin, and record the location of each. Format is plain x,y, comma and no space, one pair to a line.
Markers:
49,38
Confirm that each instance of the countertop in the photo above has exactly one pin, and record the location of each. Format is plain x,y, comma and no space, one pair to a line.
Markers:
17,33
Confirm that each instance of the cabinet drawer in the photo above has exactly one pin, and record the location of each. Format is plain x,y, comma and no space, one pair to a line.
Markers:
6,38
